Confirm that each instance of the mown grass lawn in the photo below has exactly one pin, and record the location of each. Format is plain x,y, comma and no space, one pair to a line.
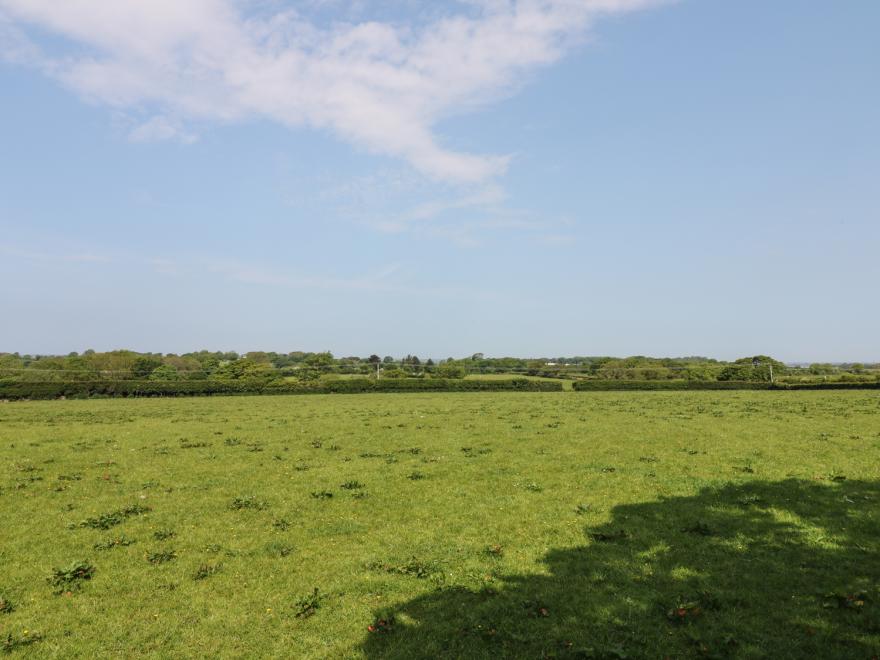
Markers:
704,524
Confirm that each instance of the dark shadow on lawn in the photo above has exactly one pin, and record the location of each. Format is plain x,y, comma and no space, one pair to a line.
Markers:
778,570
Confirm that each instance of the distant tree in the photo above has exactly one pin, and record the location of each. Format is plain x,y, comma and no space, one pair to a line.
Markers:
448,370
388,360
374,359
144,366
165,372
324,359
308,374
754,368
243,369
534,367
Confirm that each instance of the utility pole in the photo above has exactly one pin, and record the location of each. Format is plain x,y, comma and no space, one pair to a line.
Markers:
756,363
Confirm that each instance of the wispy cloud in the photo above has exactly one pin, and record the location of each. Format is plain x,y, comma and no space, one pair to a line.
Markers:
380,85
247,273
54,257
488,197
390,278
397,201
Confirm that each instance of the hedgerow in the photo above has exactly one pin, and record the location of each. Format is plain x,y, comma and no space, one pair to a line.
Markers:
680,385
123,388
126,388
665,385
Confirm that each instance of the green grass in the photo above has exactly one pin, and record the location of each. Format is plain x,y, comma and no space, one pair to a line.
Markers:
573,525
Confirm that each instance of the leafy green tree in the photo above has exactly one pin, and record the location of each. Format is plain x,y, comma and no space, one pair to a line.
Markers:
755,368
142,367
324,359
165,372
447,370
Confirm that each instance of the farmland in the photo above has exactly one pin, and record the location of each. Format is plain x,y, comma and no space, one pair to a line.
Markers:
640,524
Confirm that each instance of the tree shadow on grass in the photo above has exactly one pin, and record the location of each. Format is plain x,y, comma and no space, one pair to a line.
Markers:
785,569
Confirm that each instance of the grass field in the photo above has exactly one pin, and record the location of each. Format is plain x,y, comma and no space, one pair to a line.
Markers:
604,525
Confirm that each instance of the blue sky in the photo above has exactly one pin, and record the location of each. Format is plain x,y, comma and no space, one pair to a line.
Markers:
520,177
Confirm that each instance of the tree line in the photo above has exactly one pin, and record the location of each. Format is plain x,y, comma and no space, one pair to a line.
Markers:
267,366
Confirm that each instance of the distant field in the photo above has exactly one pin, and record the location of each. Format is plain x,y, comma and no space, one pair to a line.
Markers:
573,525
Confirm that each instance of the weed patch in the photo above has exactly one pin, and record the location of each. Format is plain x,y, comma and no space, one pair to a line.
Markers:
71,577
115,542
277,549
108,520
12,642
161,556
205,571
248,502
700,528
413,568
493,551
382,625
605,537
308,605
846,601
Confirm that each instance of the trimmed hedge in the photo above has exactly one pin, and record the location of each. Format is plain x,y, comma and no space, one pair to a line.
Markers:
357,385
680,385
665,385
125,388
828,386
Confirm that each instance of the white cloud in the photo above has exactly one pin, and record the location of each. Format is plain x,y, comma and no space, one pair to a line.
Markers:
15,47
382,86
161,128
